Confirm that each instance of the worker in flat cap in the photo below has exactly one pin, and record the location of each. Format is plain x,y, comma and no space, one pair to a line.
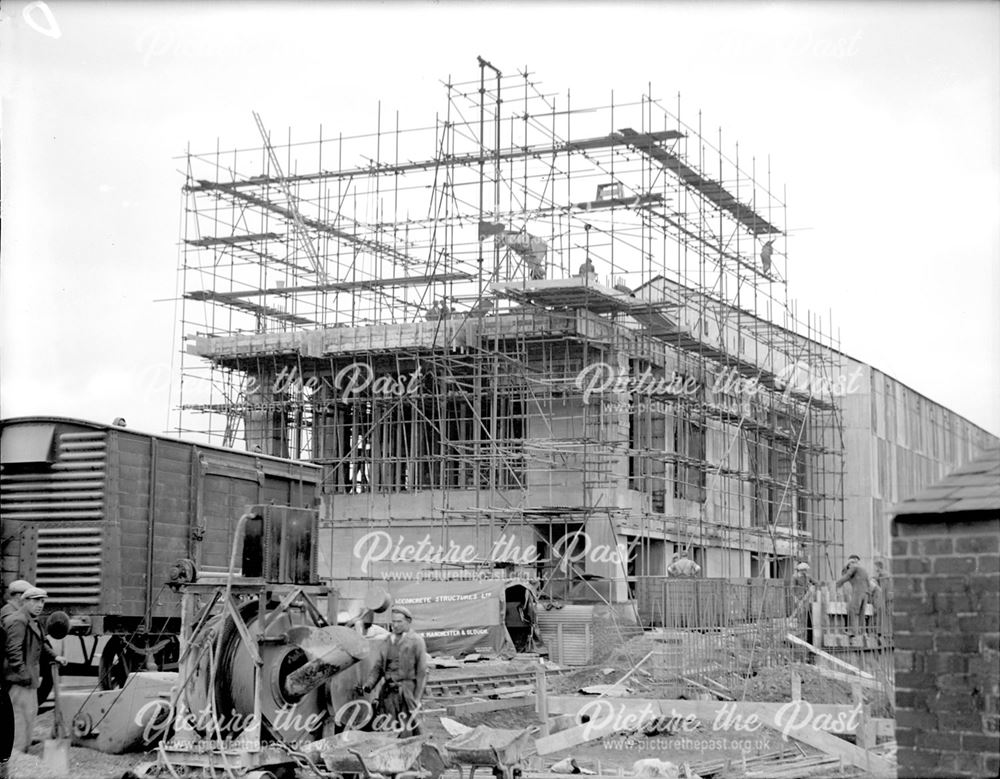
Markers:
13,603
12,598
401,667
26,650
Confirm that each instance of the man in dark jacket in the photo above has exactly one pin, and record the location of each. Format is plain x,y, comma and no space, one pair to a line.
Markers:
12,598
6,711
26,649
402,665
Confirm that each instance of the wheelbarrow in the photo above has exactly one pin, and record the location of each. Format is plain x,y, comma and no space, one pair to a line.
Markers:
372,755
503,751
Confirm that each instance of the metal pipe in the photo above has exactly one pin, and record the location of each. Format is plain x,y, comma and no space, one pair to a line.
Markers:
237,537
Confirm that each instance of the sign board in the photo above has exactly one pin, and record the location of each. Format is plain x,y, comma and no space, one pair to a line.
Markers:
455,617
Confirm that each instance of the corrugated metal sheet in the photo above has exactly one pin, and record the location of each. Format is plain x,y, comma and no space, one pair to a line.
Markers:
72,489
568,634
67,500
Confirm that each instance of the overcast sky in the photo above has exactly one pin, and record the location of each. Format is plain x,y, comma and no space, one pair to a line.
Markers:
880,119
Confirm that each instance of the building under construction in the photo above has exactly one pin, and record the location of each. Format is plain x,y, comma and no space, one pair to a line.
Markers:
521,319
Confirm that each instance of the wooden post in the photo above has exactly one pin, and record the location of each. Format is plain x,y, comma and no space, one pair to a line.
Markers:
863,736
542,700
819,618
796,686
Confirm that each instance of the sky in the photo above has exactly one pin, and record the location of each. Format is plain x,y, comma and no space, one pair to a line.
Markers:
880,121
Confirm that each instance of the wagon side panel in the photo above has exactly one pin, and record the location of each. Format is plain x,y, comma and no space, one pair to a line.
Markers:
171,522
230,483
134,482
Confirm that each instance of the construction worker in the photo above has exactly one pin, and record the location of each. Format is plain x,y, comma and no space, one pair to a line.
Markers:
802,579
26,650
856,576
12,598
765,255
401,666
684,597
803,585
880,596
529,613
682,566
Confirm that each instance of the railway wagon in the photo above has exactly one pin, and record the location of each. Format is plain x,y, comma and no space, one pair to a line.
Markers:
99,516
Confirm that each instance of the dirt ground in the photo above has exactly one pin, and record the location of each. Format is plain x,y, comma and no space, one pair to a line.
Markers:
83,763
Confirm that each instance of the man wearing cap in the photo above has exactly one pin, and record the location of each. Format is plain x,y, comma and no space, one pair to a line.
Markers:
683,567
402,665
25,650
802,579
857,577
12,598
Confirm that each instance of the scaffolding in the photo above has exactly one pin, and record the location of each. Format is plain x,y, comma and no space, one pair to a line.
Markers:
546,315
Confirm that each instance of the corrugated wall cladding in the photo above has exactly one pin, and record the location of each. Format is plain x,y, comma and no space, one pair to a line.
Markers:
568,633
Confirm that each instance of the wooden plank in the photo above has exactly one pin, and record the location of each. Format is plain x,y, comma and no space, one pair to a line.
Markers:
565,739
827,656
475,707
868,684
709,690
864,736
542,700
636,667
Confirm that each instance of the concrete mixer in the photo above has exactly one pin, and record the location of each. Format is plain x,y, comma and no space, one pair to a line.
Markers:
261,666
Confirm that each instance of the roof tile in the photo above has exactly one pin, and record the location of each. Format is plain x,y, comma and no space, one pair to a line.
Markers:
974,486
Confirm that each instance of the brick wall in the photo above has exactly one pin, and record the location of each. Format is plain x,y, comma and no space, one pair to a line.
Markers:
946,621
